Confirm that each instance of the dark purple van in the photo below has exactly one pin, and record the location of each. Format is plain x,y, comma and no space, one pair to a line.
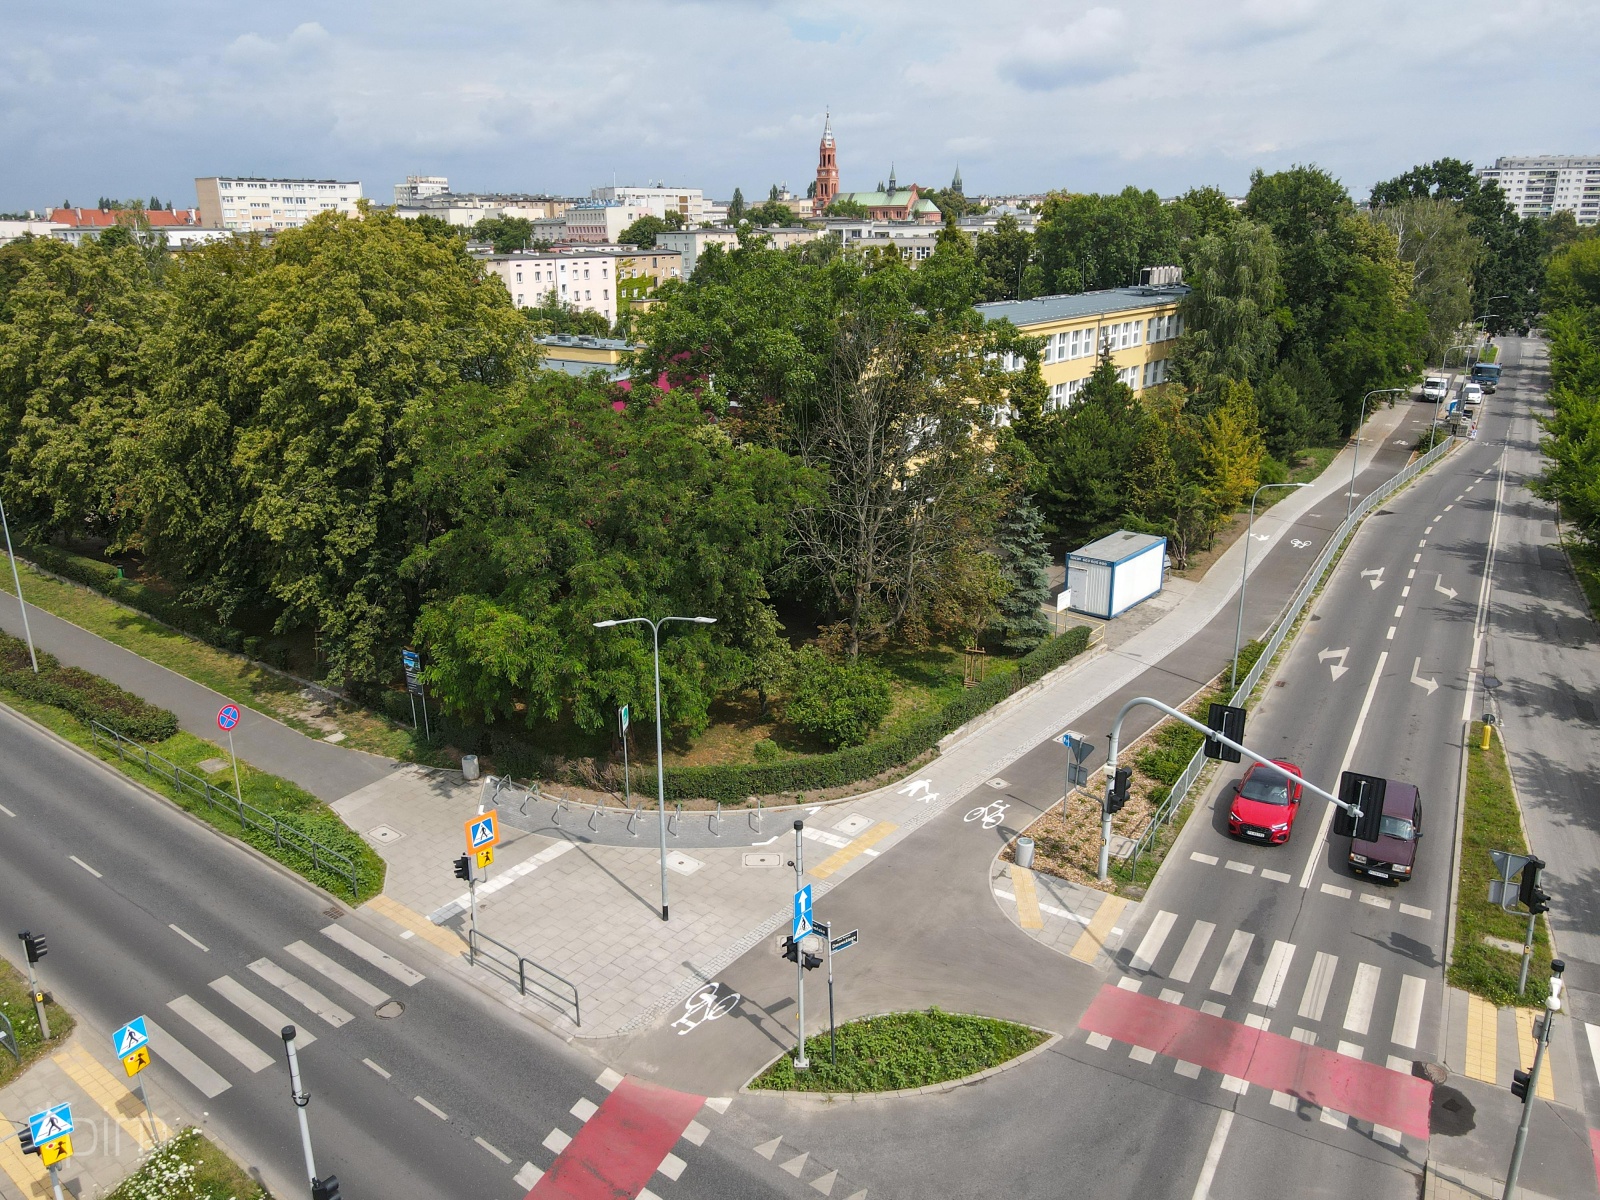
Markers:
1394,853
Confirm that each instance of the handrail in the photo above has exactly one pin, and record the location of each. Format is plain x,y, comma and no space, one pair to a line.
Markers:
554,999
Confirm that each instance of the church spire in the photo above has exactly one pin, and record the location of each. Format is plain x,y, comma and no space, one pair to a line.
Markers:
955,184
892,187
827,128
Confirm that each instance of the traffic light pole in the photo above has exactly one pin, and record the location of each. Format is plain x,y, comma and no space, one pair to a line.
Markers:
472,893
801,1062
1552,1007
301,1099
1111,769
38,996
1527,955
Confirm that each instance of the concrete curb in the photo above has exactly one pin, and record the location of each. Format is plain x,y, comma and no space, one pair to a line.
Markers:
932,1089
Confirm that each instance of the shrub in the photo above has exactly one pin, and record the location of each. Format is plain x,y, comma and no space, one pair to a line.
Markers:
87,697
765,750
102,577
839,702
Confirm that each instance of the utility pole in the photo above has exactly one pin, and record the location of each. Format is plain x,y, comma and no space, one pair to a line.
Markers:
17,581
801,1062
1524,1084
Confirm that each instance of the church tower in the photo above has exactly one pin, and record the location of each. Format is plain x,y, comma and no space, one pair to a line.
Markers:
827,170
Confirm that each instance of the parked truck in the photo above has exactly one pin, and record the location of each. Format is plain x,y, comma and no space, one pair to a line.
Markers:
1486,375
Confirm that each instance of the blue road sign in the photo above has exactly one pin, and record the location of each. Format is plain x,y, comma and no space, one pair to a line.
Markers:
483,831
802,913
129,1038
54,1122
227,717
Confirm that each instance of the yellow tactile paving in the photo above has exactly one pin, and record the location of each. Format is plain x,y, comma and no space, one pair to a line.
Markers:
24,1170
840,857
1027,898
1482,1037
1099,928
1527,1047
110,1093
449,942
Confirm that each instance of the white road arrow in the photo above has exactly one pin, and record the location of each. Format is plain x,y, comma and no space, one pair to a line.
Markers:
1338,668
916,785
1377,581
1442,590
1428,685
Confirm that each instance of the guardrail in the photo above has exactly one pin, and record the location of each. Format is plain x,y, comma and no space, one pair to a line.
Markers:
248,815
514,968
1169,807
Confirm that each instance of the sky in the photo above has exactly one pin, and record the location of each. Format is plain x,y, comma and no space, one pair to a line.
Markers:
1025,95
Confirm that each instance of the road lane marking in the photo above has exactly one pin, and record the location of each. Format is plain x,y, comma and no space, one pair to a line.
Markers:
1227,975
1242,868
1315,997
1093,938
1389,637
1423,542
1358,1012
584,1108
1208,1169
1193,947
7,811
1416,558
1349,753
185,1062
85,866
245,1051
1411,910
433,1108
377,1068
1271,985
1275,876
266,1015
505,1158
1448,507
609,1079
337,973
1404,592
362,949
298,989
1429,529
1333,889
190,938
1411,574
1399,610
1375,901
528,1177
1408,1012
1209,859
1145,956
695,1133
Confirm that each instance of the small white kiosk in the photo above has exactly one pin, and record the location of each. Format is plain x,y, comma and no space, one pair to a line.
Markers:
1110,576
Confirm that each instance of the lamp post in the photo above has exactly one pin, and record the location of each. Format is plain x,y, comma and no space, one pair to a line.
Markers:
661,784
1355,456
17,581
1244,572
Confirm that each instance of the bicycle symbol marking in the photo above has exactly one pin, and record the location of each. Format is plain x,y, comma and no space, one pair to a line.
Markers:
990,814
709,1003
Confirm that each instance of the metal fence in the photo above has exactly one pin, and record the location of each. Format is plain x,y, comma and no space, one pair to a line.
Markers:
561,995
1169,807
248,815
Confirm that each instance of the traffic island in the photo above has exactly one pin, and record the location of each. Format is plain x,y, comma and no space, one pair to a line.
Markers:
899,1052
189,1167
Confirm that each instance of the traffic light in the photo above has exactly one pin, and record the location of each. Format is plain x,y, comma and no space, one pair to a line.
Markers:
325,1189
25,1141
1533,898
811,961
1519,1085
1119,790
35,945
464,867
1366,793
791,949
1229,722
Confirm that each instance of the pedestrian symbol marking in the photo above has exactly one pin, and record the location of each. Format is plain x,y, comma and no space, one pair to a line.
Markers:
137,1061
801,926
54,1122
227,717
486,857
483,831
129,1038
50,1153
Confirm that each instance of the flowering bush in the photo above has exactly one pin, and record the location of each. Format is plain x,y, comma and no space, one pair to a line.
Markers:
188,1167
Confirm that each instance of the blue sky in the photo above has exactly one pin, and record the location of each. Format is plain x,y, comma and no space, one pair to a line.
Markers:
1026,95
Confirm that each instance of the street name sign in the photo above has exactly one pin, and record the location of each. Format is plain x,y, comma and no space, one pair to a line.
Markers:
845,941
483,830
801,926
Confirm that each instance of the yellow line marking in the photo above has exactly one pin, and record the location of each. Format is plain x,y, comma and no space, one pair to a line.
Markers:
1093,938
840,857
25,1170
101,1086
1482,1036
1027,898
447,940
1527,1047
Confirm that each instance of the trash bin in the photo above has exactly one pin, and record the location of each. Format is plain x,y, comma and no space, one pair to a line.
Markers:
469,766
1024,854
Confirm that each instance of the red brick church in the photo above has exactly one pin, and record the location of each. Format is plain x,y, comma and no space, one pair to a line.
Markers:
892,204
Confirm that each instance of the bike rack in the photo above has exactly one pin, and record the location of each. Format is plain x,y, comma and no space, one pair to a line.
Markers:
632,817
677,816
714,823
755,817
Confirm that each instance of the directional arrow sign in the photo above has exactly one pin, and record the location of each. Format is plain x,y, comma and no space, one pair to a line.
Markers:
801,925
1442,590
1338,667
1377,580
1428,685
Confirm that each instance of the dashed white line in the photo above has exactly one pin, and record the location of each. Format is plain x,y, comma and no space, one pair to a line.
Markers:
1390,635
1404,592
1333,889
584,1108
85,866
1375,901
7,811
1416,558
433,1108
1411,574
1411,910
1448,507
1398,610
1275,876
1242,868
190,938
609,1079
1422,542
1429,529
376,1068
1208,1169
556,1141
695,1133
1209,859
505,1158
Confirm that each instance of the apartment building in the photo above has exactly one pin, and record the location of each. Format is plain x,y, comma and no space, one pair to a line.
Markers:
249,205
601,222
420,187
658,200
577,354
589,278
181,228
1543,184
465,209
1139,326
691,243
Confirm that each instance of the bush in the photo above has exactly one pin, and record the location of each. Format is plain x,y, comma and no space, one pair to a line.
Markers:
87,697
102,577
839,702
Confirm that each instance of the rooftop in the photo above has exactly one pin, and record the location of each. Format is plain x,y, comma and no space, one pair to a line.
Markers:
1045,309
587,342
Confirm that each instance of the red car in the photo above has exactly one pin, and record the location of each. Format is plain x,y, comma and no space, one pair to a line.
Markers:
1265,804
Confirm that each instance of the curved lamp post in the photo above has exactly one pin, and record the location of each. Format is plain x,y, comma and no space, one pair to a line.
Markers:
661,785
1244,572
1355,455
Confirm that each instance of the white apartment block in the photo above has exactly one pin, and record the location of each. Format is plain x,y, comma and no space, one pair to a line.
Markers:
467,209
1542,184
602,221
692,243
688,203
247,205
418,187
583,277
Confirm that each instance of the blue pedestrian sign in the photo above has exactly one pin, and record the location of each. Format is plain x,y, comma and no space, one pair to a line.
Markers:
129,1038
54,1122
802,913
483,831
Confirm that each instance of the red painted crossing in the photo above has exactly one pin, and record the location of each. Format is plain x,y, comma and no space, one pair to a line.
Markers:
621,1145
1348,1085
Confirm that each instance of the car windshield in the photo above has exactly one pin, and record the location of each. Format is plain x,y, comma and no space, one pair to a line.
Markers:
1397,827
1265,790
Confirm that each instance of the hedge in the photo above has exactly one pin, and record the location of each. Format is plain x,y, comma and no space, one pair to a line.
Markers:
87,697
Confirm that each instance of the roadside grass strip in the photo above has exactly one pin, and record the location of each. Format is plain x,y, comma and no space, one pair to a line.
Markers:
902,1050
16,1002
1492,822
189,1167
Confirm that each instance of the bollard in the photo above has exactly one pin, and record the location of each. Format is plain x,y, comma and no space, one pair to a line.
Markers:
1024,852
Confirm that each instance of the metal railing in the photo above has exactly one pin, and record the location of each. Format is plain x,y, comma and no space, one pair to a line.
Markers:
515,968
248,815
1169,807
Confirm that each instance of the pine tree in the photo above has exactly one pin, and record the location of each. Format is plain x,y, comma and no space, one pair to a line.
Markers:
1025,567
736,207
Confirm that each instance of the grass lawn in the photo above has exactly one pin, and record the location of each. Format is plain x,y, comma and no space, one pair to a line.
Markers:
1313,462
16,1002
902,1050
1492,823
189,1167
231,674
1586,565
287,801
1488,353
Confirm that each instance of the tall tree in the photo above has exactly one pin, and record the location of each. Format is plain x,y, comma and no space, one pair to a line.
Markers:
1436,241
506,233
1005,257
643,232
736,207
1089,242
1025,570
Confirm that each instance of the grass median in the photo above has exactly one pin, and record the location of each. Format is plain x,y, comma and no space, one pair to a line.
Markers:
16,1002
902,1050
1492,822
189,1167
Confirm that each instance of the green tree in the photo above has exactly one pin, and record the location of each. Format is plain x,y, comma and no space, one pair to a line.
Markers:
1572,279
839,702
850,209
1088,242
1200,213
772,212
1025,570
642,233
1436,241
1005,255
555,315
505,233
1232,315
736,207
1231,448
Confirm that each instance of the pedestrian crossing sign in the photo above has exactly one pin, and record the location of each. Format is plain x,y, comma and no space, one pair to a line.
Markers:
51,1153
483,830
486,857
129,1038
54,1122
137,1061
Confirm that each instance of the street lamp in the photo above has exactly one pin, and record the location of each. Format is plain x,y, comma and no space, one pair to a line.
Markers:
16,579
661,784
1355,452
1244,571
